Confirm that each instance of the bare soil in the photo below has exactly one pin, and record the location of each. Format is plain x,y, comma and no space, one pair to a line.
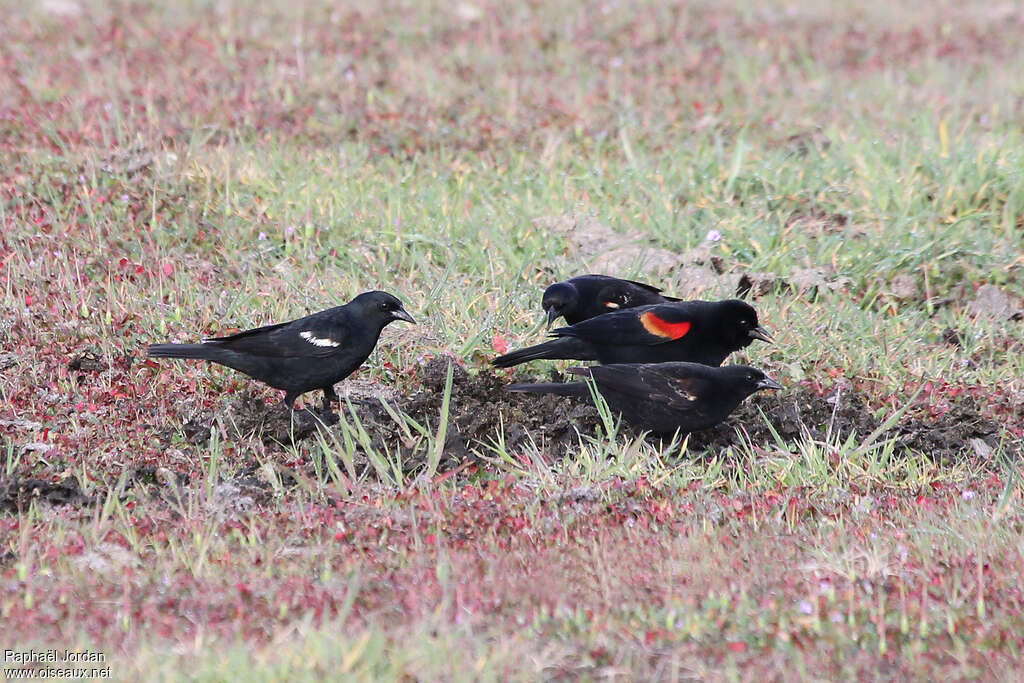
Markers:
480,409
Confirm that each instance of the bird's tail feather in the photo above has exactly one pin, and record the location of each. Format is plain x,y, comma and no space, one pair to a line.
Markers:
557,388
563,348
202,351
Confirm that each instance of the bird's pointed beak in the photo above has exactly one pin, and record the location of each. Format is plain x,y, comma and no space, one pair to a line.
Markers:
762,334
402,314
552,314
768,383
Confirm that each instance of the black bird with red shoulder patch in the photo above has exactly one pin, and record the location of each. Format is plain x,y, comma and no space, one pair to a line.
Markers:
310,353
703,332
664,397
587,296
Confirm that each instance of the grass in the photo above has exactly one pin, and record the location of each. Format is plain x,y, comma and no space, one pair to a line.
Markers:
170,172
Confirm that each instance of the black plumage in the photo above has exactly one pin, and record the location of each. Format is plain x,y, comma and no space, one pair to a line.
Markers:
302,355
586,296
703,332
664,397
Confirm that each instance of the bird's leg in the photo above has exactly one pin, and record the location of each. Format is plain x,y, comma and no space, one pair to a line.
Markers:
289,401
329,396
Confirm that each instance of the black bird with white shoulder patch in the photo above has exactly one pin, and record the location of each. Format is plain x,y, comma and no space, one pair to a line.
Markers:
310,353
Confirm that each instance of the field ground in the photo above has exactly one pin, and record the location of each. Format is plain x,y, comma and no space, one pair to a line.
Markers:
857,170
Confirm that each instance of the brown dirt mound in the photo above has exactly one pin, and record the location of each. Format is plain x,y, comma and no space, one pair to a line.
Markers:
480,407
961,432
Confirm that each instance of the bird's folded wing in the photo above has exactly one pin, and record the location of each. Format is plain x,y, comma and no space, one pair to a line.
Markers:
300,338
642,326
649,384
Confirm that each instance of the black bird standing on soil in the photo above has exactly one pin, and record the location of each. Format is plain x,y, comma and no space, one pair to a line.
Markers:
310,353
587,296
685,331
664,397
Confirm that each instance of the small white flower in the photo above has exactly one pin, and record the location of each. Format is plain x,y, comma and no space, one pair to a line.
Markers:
262,236
967,495
713,236
806,607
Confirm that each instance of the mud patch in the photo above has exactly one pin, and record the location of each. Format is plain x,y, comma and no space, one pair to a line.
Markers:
480,407
251,416
480,404
16,495
962,432
484,417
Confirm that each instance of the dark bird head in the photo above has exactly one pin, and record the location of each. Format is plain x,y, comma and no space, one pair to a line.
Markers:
382,308
745,380
737,324
561,298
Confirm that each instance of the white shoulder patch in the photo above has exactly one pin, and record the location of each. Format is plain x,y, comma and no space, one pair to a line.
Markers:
611,304
318,341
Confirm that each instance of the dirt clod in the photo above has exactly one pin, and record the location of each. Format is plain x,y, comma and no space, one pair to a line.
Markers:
952,337
993,302
905,288
604,249
17,494
755,285
478,409
273,424
87,362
